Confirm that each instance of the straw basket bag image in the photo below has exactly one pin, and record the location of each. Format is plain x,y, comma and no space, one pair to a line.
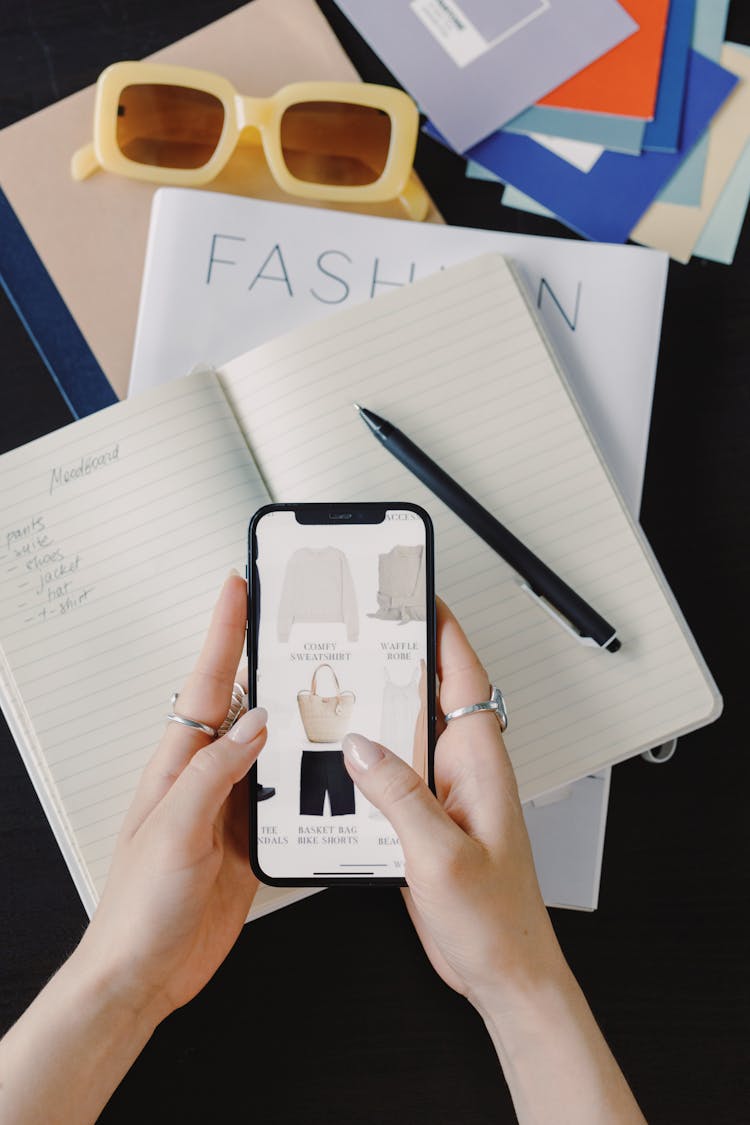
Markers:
325,717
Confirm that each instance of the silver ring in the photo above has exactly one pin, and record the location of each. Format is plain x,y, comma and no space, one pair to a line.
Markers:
192,723
237,707
495,703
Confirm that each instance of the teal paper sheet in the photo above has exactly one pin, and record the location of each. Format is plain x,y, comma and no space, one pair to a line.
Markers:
621,134
686,185
512,197
719,237
476,171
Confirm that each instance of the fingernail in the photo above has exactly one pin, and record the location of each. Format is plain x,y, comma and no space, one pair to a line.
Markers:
362,753
249,725
234,573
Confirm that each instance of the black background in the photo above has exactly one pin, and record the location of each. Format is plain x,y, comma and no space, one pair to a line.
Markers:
328,1010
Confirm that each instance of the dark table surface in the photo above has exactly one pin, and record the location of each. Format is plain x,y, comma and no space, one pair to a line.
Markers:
328,1011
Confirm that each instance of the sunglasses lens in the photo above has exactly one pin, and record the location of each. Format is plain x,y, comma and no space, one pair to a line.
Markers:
168,126
335,142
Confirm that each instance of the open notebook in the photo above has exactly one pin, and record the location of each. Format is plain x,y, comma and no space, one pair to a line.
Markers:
118,529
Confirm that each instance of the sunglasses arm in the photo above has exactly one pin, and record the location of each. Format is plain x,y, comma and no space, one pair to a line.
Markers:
84,163
414,198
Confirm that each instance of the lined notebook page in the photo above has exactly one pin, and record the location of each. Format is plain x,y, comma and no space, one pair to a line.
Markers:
116,534
457,362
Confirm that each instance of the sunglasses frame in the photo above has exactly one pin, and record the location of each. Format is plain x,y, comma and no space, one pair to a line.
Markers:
240,113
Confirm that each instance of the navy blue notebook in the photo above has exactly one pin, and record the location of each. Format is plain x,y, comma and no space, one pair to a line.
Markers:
48,321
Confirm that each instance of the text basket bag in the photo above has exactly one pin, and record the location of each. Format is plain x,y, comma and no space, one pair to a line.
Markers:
325,717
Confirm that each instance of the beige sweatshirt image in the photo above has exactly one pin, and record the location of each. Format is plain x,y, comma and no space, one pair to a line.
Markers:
318,589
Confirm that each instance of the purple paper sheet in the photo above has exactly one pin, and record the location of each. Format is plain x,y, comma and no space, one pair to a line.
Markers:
472,65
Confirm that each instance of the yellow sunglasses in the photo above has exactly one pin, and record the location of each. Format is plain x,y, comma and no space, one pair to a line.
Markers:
347,142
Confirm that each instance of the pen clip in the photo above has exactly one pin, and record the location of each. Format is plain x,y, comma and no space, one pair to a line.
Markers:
558,617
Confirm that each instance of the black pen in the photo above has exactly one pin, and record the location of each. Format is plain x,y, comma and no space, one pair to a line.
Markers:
554,595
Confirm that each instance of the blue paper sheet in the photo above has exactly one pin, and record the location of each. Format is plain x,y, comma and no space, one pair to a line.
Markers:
686,185
663,133
605,203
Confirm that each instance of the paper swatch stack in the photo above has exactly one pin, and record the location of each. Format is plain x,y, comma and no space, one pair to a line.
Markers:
625,120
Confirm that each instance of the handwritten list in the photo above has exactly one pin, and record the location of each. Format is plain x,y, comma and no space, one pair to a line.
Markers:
44,574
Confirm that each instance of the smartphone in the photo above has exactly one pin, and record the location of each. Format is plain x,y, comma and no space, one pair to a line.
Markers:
341,637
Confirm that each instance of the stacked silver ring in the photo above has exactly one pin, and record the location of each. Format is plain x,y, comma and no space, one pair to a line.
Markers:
237,707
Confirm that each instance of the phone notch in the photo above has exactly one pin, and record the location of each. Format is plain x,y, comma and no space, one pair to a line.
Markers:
340,514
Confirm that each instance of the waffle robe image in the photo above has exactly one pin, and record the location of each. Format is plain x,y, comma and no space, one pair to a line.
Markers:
402,590
321,772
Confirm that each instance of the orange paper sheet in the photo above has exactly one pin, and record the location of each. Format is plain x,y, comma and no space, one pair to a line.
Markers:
625,81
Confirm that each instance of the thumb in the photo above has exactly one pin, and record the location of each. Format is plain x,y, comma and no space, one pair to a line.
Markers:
401,795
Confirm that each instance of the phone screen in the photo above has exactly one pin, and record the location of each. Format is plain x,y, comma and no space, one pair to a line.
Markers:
344,639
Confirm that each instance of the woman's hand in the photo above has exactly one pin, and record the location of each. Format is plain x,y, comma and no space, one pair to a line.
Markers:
472,890
178,891
475,902
180,885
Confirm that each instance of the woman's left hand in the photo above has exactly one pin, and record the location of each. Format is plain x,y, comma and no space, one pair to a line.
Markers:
180,885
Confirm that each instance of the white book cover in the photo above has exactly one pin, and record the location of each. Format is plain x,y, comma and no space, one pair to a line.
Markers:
224,273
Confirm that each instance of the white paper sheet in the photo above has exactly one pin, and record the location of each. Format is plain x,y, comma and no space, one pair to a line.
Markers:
580,154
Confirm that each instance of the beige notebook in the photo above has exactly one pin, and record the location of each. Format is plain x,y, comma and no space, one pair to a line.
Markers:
118,530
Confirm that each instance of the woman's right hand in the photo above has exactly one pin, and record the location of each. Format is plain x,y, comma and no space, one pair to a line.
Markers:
475,901
472,890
